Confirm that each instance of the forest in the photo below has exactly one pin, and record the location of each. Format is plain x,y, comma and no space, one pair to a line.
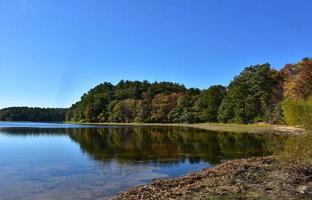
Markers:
259,93
33,114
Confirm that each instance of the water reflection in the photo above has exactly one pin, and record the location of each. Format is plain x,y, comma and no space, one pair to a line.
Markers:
169,144
96,163
159,144
19,131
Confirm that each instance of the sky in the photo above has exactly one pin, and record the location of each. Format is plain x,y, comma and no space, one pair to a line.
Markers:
53,51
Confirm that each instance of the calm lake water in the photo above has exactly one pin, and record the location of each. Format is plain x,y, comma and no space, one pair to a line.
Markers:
61,161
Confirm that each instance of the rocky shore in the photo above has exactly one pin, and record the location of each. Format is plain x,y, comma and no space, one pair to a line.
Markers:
253,178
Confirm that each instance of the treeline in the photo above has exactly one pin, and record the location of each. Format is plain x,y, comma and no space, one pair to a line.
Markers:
33,114
135,101
259,93
297,106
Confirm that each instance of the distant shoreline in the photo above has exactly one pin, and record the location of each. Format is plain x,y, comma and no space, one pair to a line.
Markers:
224,127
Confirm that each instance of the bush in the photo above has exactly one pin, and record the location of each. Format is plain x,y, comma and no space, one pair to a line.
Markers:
298,112
277,116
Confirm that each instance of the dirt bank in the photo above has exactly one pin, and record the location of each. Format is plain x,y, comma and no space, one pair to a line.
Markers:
253,178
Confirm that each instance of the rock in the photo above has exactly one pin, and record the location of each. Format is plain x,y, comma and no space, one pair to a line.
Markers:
260,178
302,189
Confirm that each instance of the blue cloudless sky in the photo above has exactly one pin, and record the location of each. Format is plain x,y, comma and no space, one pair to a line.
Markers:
53,51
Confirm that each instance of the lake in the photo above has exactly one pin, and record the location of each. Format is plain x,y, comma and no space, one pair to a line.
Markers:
64,161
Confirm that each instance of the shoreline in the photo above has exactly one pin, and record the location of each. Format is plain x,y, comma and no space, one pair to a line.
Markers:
251,178
243,128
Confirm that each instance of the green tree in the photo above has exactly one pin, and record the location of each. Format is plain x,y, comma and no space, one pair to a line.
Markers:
185,111
209,102
248,96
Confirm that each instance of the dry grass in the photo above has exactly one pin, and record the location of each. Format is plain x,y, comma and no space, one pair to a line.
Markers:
246,128
297,153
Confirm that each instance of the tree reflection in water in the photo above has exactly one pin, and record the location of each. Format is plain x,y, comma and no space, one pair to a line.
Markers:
168,144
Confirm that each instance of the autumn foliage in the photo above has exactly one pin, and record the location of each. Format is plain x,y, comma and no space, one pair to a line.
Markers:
259,93
297,105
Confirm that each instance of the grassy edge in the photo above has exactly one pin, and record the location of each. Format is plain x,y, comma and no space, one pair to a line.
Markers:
247,128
